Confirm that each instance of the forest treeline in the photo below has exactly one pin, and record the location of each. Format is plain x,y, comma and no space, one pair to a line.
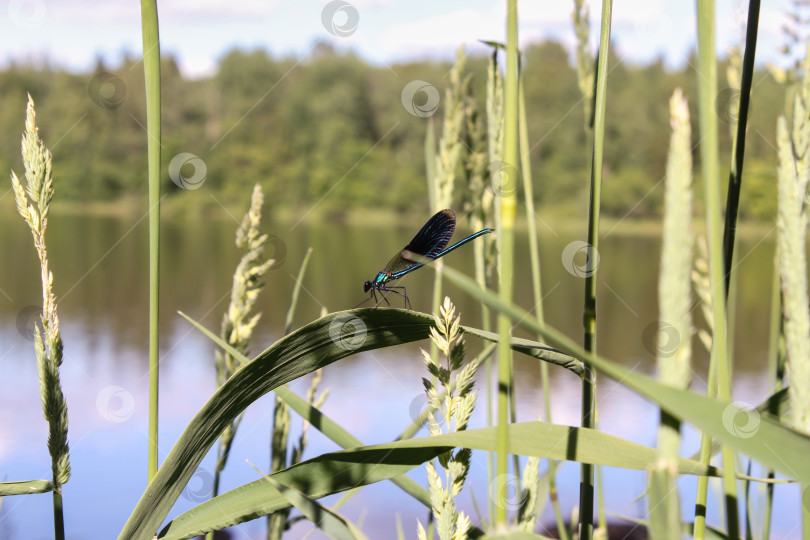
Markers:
333,128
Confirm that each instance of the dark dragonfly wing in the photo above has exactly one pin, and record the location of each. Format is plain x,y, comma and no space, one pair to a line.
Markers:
434,235
428,242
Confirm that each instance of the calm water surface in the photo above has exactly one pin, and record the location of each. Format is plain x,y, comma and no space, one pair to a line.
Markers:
102,287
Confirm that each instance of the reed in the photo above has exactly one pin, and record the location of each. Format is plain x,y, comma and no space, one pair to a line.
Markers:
793,141
239,321
507,206
278,522
588,413
486,265
33,204
457,386
444,163
151,70
674,300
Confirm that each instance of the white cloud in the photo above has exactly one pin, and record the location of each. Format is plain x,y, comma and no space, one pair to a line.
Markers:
198,32
440,34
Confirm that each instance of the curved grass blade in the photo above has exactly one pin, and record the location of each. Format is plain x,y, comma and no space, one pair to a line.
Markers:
535,349
775,445
327,520
311,347
514,535
348,469
688,528
345,439
25,487
318,477
777,405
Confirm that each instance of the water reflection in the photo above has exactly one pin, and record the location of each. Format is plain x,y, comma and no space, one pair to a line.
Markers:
102,287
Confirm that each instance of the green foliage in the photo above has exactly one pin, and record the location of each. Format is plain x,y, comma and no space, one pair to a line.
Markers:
304,127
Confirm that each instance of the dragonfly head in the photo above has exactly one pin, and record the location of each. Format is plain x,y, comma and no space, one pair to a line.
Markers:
366,286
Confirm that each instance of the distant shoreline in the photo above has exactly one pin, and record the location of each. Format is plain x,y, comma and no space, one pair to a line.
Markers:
134,207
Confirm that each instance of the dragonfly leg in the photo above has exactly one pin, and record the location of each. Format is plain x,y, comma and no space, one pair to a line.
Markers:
382,296
402,294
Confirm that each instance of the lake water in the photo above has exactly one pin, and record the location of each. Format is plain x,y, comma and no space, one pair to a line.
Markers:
99,267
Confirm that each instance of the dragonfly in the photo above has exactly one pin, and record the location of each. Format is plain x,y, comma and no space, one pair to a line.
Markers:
429,243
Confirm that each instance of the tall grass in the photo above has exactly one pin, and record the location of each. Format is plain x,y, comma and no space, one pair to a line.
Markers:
454,405
151,70
33,205
674,300
720,361
444,163
506,233
239,321
793,140
589,317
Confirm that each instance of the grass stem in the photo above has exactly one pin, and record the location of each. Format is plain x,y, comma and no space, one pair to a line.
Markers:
589,317
506,232
707,92
151,69
735,175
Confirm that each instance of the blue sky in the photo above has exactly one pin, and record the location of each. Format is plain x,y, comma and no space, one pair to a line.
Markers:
73,33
